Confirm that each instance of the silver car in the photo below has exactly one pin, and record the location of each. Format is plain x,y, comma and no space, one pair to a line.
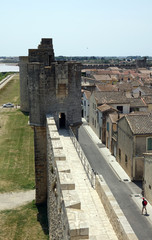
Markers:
8,105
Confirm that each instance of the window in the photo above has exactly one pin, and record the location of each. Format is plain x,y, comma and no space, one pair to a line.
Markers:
120,109
119,154
92,121
62,90
149,144
126,159
84,103
97,117
108,126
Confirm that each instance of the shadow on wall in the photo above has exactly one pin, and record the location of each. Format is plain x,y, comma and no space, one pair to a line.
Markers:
42,218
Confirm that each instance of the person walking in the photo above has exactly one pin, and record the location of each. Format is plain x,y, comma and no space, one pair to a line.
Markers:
144,204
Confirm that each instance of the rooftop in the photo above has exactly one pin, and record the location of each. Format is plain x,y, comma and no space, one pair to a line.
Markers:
111,98
140,124
105,108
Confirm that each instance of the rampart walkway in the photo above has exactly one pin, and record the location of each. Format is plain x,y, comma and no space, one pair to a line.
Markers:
6,80
96,217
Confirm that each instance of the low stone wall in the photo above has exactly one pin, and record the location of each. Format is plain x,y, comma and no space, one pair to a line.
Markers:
115,214
8,78
65,217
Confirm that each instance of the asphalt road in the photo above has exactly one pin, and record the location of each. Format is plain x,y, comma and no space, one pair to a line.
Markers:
122,191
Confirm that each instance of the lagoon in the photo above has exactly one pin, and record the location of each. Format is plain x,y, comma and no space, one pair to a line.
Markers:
8,67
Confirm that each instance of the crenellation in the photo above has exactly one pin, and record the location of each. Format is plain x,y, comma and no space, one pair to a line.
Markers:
63,223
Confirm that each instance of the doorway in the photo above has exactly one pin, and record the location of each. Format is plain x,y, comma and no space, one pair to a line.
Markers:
62,120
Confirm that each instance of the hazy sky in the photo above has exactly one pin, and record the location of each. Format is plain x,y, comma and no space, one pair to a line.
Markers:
78,28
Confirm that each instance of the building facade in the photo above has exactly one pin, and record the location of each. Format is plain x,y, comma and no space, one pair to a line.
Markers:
134,138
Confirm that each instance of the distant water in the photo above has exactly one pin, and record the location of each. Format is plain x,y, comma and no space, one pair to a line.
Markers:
8,68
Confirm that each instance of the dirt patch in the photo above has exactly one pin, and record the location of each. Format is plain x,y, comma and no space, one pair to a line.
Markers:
15,199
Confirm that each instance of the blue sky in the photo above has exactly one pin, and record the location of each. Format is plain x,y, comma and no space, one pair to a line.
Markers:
78,28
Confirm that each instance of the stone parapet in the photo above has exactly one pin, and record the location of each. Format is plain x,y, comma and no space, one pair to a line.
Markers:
115,214
65,217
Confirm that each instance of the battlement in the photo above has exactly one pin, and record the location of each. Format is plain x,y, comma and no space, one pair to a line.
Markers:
46,43
66,219
71,213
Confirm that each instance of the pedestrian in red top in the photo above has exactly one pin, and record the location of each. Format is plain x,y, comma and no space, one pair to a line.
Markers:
144,204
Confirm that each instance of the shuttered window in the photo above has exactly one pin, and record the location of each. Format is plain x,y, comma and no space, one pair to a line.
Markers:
149,144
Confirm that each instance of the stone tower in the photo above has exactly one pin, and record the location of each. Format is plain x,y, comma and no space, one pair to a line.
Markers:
50,87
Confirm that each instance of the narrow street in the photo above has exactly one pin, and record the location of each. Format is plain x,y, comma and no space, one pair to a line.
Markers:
122,191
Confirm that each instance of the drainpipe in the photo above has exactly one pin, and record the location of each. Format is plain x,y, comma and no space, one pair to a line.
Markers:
133,158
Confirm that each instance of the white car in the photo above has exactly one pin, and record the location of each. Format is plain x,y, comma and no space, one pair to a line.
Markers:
8,105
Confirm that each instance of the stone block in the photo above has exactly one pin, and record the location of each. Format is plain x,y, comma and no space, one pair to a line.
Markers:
56,144
71,199
50,121
66,181
62,166
77,224
59,154
54,136
52,128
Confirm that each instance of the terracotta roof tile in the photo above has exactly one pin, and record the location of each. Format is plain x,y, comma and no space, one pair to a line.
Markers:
111,97
102,77
140,124
147,99
107,87
106,107
137,102
87,94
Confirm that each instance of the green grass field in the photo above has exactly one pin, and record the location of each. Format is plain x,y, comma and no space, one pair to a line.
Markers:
3,75
16,151
10,93
16,143
17,170
26,222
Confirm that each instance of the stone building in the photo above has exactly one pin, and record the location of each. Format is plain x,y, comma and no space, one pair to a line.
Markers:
147,183
85,100
134,137
115,100
48,87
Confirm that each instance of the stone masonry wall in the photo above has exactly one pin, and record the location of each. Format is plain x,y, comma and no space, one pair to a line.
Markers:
40,164
24,98
54,89
64,207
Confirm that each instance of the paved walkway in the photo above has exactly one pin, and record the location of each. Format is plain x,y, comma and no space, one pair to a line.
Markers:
99,225
6,80
13,200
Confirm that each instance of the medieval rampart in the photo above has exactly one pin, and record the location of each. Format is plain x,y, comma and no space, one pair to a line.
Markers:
53,89
63,200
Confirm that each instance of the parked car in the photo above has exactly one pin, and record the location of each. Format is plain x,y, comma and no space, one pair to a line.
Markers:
8,105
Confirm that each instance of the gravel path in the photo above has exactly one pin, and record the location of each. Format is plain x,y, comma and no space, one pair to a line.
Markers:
13,200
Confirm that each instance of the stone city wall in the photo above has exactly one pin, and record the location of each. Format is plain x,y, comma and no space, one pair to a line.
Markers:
24,97
66,220
65,217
